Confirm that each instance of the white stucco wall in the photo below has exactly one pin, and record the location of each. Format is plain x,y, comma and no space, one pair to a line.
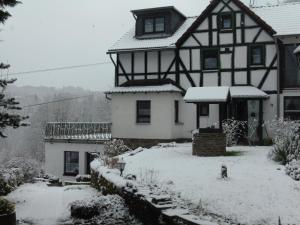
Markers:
162,125
54,156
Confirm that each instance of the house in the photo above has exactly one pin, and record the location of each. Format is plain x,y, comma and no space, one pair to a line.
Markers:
175,73
71,147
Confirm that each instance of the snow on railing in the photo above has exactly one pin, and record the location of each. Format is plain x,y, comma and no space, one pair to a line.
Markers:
78,131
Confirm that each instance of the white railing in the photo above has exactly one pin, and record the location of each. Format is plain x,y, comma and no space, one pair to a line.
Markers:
78,131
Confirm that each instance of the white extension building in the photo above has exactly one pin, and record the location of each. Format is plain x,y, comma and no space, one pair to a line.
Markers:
70,147
175,73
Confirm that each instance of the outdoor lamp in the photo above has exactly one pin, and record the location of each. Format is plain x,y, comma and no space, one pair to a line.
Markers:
297,53
121,166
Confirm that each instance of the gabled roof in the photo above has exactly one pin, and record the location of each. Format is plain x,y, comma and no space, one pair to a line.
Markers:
284,18
129,42
157,9
211,7
279,20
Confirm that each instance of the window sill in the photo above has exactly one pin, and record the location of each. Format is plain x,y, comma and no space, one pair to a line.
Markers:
179,123
229,30
257,65
143,124
210,70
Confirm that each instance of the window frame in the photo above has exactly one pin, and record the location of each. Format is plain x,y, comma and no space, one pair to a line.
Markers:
287,111
67,173
154,30
221,24
201,106
263,55
176,111
204,51
138,116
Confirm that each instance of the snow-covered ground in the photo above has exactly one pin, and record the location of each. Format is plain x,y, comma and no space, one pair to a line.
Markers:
38,204
257,191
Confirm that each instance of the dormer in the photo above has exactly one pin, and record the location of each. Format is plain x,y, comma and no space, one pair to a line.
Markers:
157,22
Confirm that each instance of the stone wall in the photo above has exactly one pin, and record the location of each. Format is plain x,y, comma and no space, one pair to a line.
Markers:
209,144
147,143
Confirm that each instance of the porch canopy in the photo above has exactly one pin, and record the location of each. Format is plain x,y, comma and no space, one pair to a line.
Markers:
207,95
222,94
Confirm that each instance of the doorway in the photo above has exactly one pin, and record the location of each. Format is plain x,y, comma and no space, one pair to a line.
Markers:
89,158
250,111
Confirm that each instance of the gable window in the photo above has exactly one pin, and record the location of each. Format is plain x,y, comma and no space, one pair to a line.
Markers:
71,163
176,106
154,25
204,109
257,55
292,107
210,59
143,111
226,21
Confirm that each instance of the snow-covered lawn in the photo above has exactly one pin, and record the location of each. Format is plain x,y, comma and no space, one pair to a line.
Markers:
257,191
39,204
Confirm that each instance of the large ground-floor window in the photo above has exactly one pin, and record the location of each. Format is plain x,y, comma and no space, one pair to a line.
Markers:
71,163
292,107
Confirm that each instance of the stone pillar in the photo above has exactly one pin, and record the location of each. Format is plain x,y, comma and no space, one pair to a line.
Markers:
209,144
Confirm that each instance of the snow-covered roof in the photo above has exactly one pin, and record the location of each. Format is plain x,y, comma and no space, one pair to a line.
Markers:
297,50
128,41
207,94
144,89
283,18
247,92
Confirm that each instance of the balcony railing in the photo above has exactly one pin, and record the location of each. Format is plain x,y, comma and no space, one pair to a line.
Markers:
78,131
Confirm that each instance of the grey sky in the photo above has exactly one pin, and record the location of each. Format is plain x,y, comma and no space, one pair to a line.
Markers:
54,33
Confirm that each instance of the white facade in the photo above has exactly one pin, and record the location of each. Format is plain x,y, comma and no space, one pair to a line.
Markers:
55,156
183,66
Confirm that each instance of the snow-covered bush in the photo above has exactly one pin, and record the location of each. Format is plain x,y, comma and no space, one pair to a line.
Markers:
293,169
113,148
233,129
286,140
30,168
10,179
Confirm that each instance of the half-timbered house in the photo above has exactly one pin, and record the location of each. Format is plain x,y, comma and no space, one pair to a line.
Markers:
175,73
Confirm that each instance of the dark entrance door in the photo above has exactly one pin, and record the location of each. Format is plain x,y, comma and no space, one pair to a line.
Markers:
89,158
250,111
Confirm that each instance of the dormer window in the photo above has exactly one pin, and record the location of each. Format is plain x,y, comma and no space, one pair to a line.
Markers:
226,21
154,25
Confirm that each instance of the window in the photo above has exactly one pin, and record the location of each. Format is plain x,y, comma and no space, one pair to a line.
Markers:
291,77
154,25
71,166
143,111
176,105
210,59
204,109
257,55
226,21
292,107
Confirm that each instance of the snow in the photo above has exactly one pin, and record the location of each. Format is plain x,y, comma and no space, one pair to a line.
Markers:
297,50
39,204
128,41
145,89
283,18
257,191
207,94
247,92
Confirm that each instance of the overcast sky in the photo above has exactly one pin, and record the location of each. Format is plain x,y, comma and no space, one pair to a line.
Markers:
44,34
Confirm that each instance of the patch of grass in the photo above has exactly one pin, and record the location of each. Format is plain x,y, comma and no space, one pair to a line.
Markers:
234,153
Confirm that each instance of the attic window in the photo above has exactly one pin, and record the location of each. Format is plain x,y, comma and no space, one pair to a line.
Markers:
226,21
154,25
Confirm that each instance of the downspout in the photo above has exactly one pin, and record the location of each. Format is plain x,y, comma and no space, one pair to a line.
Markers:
278,76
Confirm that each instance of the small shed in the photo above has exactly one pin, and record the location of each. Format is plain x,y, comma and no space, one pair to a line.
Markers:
70,147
